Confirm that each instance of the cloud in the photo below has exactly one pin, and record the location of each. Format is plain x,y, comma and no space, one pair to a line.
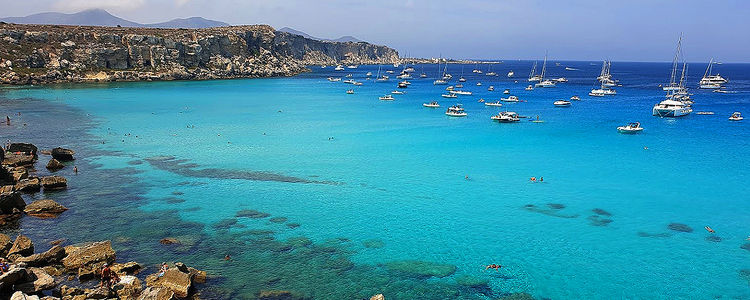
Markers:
117,5
180,3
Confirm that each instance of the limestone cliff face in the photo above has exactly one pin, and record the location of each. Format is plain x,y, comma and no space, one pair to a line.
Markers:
34,54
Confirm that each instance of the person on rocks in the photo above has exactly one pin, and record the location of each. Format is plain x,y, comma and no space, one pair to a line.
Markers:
4,266
163,270
108,276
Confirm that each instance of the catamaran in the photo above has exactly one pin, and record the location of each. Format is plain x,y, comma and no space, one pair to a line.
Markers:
677,101
711,81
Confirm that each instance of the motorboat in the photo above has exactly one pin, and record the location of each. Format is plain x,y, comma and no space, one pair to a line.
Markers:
352,66
397,92
710,113
603,91
545,84
458,86
349,81
432,104
458,92
711,81
479,84
404,76
506,117
462,79
631,128
491,88
561,79
736,116
349,76
671,108
575,98
423,75
510,99
562,103
449,95
529,88
440,82
496,104
386,98
332,79
339,68
506,91
456,111
369,74
409,70
350,92
357,83
511,74
402,85
323,66
449,88
570,69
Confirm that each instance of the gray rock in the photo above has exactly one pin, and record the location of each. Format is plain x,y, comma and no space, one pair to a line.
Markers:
54,165
62,154
40,281
52,256
10,201
22,246
54,182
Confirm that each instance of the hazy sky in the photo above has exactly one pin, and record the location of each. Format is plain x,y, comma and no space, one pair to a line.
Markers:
630,30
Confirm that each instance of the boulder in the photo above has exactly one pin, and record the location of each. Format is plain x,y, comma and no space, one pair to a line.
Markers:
126,268
51,256
151,293
54,165
16,160
21,296
198,275
174,280
22,246
13,275
54,182
99,293
169,241
5,244
128,288
44,208
378,297
62,154
89,255
39,281
25,148
29,185
10,201
19,173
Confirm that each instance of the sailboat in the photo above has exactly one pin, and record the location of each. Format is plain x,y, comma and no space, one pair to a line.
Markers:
676,102
440,80
533,76
605,77
545,83
711,81
510,74
381,78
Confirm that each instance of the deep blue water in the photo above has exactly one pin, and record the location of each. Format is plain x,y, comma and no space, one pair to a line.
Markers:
393,175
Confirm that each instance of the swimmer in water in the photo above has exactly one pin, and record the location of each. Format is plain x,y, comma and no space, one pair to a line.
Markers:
466,177
533,179
493,266
709,229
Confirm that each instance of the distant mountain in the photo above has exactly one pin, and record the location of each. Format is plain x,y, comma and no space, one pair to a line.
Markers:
100,17
346,38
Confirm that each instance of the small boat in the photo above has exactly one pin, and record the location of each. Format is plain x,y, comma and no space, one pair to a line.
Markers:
440,82
386,98
562,103
423,75
705,113
332,79
449,88
323,66
575,98
369,74
506,91
339,68
479,84
389,71
510,99
349,76
491,88
496,104
382,78
459,92
357,83
402,85
631,128
352,66
350,92
462,79
570,69
529,88
397,92
404,76
432,104
561,79
506,117
458,86
603,91
449,96
409,70
736,116
724,91
545,84
511,74
455,111
349,81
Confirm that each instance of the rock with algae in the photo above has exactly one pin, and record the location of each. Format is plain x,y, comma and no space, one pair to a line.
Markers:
421,268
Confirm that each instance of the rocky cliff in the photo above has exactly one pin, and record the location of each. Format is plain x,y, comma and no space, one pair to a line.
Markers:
37,54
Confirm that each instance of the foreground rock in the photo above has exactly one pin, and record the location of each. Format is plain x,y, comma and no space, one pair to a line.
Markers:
25,148
54,183
45,208
29,185
54,165
38,281
11,202
52,256
22,246
174,280
62,154
89,258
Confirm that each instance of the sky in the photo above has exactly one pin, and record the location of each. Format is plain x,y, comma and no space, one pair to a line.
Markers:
630,30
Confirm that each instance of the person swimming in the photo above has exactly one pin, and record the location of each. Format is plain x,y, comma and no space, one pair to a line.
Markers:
493,266
533,179
709,229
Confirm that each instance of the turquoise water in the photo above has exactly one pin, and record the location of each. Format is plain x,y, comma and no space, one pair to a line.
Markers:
350,170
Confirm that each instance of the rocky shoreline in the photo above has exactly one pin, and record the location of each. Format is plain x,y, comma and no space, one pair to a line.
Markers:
43,54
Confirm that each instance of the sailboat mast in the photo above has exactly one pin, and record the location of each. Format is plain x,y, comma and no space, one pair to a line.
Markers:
544,66
675,62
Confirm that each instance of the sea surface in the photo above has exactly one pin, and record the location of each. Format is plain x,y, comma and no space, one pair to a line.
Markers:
338,196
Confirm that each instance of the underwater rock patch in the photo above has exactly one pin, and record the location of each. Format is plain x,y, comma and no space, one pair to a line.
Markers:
225,223
472,282
599,221
292,225
745,274
253,214
713,238
299,241
746,246
601,212
173,200
655,235
548,211
278,219
555,205
421,269
135,162
679,227
373,243
518,296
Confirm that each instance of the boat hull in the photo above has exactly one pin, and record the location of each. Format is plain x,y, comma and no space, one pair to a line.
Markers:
671,113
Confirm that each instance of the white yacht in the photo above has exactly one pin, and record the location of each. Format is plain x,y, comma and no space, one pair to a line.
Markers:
561,79
544,83
389,71
397,92
562,103
631,128
449,95
382,78
496,104
339,68
333,79
462,79
533,76
601,92
369,74
409,69
457,92
529,88
455,111
403,85
711,81
491,88
575,98
506,117
479,84
357,83
449,88
350,92
404,76
506,91
511,74
440,82
677,101
352,66
349,75
736,116
432,104
510,99
671,108
386,98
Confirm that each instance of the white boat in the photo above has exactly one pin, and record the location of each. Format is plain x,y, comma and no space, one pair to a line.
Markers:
397,92
458,86
409,70
403,85
506,91
352,66
332,79
510,99
631,128
479,84
449,95
506,117
462,79
677,101
323,67
671,108
575,98
457,92
561,79
349,81
369,74
339,68
711,81
423,75
349,76
542,82
511,74
490,74
389,71
710,113
432,104
440,82
404,76
562,103
386,98
357,83
382,78
455,111
570,69
603,91
533,76
736,116
491,88
350,92
529,88
449,88
496,104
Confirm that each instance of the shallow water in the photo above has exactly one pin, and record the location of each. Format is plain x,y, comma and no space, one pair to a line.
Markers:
183,158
